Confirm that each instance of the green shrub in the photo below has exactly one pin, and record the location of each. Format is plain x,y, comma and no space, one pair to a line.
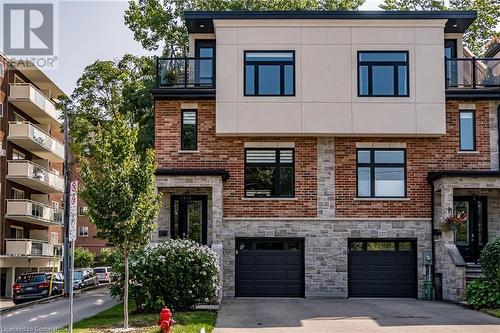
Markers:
83,258
490,260
108,257
482,293
179,274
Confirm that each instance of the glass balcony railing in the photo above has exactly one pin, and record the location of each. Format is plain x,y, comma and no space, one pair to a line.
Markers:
472,73
185,72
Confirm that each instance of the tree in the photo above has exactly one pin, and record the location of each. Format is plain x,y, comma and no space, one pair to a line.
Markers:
478,34
83,258
160,23
119,189
110,88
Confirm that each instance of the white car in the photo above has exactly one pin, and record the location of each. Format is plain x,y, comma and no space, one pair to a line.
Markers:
103,274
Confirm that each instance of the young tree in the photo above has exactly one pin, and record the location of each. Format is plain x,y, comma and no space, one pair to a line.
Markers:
478,34
119,189
160,24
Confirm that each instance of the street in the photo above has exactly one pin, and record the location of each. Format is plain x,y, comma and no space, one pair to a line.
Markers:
49,316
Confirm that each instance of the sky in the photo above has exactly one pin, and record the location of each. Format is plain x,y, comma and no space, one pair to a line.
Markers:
92,30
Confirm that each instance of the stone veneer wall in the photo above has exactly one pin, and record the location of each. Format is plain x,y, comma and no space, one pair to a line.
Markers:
326,177
325,247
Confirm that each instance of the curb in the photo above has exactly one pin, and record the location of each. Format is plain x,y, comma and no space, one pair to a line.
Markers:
47,299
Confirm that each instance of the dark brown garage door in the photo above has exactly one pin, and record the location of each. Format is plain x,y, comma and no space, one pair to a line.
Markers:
272,268
382,268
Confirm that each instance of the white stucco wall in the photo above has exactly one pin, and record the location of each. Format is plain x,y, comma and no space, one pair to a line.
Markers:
326,100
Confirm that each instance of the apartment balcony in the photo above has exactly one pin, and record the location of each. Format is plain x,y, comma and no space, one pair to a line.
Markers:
472,77
33,212
31,248
33,102
34,176
187,77
36,140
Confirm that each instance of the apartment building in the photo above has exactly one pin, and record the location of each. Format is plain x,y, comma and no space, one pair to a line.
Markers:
31,178
316,152
86,235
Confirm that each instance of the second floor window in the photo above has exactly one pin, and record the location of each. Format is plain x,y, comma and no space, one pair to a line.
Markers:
381,173
83,231
17,194
269,173
189,132
269,73
467,130
383,73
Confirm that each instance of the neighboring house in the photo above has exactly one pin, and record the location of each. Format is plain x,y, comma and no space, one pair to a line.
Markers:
31,178
317,151
86,233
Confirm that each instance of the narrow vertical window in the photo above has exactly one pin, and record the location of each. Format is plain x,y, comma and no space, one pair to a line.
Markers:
467,130
189,131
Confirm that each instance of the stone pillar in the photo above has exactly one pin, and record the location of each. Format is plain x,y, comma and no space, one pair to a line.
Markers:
217,215
326,178
10,280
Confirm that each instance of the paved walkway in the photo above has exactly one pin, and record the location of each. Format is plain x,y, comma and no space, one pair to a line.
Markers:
46,317
350,316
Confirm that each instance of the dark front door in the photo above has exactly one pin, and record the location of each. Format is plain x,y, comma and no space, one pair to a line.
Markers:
382,268
270,267
189,217
205,71
450,52
471,237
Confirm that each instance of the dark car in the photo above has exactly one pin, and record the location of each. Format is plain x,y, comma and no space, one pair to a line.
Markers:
84,277
31,286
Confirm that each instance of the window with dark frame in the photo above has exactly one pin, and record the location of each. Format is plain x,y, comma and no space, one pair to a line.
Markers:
467,130
383,74
189,130
381,173
270,172
269,73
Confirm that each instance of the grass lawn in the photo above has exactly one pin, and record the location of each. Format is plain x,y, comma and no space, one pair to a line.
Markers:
187,322
493,312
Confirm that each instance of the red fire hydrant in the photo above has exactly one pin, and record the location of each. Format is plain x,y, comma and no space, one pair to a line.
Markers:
166,320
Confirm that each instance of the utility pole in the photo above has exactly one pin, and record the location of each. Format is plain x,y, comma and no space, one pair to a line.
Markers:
67,181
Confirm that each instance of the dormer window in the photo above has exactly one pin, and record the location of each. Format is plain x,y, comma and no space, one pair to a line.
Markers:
383,74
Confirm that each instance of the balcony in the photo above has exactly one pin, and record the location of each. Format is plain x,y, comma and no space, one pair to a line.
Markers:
32,212
30,247
472,77
34,103
34,176
185,77
36,140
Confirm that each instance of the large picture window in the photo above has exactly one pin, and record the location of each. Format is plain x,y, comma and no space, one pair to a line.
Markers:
189,132
381,173
467,130
269,172
269,73
383,73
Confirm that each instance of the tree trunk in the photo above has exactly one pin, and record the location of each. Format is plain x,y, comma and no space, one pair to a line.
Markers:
125,296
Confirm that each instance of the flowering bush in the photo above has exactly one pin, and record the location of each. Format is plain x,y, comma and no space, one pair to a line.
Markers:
178,274
452,219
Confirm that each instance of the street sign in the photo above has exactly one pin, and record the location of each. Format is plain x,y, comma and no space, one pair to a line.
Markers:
73,209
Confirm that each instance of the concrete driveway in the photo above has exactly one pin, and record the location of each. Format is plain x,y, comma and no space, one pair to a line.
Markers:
350,316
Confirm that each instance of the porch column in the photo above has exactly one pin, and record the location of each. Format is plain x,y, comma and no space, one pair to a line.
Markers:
447,204
217,214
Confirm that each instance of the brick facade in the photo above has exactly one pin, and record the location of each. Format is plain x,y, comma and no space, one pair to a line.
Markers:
423,155
228,153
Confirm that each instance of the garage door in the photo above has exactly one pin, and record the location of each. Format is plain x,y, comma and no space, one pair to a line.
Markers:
272,268
382,268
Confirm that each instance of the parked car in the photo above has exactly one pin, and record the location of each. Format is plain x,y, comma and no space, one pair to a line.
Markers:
104,274
31,286
83,278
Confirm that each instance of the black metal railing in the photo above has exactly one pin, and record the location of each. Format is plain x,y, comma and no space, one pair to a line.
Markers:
472,73
187,72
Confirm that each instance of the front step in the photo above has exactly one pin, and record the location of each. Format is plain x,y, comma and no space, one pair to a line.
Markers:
473,271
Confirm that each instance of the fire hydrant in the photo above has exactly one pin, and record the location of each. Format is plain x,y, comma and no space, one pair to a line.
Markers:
166,320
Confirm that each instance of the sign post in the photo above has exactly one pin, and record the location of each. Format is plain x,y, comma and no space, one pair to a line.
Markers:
73,211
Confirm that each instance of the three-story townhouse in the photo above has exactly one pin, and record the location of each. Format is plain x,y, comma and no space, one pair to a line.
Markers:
31,178
317,151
